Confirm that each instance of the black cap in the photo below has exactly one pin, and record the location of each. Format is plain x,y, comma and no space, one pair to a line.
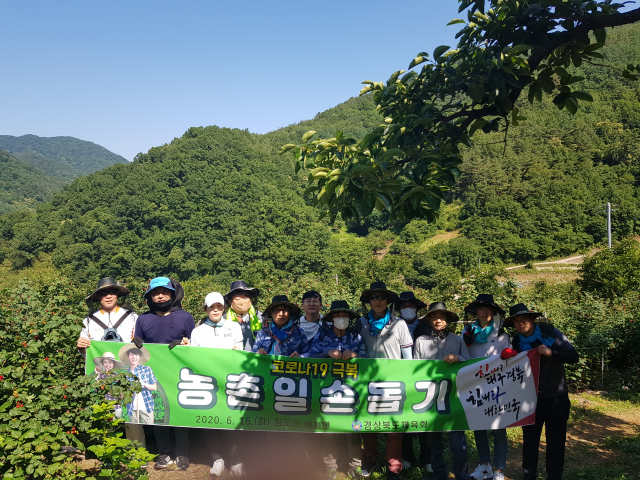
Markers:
340,306
240,286
375,288
410,297
104,283
281,300
441,307
518,310
481,300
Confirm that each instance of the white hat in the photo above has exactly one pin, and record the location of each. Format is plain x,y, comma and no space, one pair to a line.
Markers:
107,356
213,297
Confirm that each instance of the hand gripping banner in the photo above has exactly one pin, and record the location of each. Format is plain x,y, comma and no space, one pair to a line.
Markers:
236,390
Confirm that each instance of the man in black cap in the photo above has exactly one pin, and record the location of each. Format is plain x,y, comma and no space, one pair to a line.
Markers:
434,341
409,307
241,299
281,336
311,321
384,336
485,337
112,323
553,407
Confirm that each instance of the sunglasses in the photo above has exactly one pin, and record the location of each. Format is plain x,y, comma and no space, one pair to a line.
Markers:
378,297
109,291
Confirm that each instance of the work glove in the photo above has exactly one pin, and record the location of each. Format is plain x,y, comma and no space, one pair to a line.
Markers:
174,343
508,353
468,338
137,341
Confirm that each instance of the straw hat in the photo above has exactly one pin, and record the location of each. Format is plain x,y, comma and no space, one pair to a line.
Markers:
108,356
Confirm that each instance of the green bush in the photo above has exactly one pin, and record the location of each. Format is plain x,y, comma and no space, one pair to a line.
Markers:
613,272
44,395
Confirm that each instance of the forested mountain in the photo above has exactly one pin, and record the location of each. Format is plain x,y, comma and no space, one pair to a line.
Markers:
22,185
62,158
222,202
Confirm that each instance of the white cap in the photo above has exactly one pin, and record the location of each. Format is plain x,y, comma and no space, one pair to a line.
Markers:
213,297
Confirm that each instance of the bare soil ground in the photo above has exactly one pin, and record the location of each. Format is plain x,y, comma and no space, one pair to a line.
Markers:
603,442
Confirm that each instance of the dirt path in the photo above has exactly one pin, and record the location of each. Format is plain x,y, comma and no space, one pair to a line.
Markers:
569,260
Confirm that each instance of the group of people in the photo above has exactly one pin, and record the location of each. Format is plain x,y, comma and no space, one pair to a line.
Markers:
391,327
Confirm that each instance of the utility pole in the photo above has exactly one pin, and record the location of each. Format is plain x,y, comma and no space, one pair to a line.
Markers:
609,224
609,210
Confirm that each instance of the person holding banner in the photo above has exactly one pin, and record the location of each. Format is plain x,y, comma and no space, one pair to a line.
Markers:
435,342
485,338
336,340
111,323
282,336
167,323
241,299
553,405
311,321
409,308
384,336
214,331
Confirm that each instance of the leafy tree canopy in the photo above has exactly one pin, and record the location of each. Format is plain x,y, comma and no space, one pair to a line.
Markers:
613,272
407,164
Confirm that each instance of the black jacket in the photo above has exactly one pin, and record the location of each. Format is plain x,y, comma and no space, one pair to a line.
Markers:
552,381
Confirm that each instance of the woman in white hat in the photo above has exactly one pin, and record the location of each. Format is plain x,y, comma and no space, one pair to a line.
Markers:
106,363
215,331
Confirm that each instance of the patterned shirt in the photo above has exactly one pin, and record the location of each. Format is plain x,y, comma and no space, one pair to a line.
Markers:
145,375
326,339
297,342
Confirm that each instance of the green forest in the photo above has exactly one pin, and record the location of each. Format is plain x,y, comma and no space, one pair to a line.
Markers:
34,168
23,186
222,203
61,158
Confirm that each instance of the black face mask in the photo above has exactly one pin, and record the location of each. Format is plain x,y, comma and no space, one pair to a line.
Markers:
160,307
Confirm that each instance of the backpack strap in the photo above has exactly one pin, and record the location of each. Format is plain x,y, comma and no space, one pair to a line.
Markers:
122,319
98,321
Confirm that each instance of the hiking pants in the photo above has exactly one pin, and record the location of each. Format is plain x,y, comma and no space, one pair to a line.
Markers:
163,439
553,413
458,443
499,447
407,448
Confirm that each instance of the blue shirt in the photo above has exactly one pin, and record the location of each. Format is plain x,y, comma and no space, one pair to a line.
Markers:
326,339
297,342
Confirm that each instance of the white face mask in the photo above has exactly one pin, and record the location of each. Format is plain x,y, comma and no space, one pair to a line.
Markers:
408,313
341,323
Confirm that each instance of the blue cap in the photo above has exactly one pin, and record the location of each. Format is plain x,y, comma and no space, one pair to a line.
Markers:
159,282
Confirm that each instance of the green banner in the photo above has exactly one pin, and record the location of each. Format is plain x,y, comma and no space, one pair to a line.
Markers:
232,389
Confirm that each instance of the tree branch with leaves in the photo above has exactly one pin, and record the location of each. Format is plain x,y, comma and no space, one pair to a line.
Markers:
407,163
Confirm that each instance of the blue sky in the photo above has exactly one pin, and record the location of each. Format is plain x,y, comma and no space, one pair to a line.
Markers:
133,75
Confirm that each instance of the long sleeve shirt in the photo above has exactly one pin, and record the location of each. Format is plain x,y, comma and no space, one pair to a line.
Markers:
552,381
326,339
297,342
432,346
